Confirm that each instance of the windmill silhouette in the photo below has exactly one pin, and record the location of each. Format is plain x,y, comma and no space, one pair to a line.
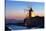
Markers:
29,17
30,10
33,21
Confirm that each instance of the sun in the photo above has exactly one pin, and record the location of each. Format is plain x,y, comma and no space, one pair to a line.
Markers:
33,14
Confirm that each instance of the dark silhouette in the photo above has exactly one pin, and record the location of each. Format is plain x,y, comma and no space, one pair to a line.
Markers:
30,12
37,21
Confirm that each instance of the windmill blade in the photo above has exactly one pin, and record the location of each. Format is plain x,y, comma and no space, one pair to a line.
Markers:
26,9
29,7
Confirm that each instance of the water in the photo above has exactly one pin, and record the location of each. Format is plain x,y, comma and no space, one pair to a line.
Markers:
15,27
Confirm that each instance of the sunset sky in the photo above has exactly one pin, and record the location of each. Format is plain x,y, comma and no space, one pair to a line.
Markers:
15,9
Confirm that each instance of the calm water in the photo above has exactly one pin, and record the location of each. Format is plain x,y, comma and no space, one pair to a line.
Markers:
15,27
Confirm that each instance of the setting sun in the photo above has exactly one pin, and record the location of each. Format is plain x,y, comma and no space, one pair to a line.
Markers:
33,14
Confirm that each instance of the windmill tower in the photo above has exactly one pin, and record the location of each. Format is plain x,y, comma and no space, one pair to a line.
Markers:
30,10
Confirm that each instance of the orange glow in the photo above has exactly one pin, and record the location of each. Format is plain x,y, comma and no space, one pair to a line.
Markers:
33,14
22,15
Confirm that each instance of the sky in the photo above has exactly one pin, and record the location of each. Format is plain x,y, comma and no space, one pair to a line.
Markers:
17,9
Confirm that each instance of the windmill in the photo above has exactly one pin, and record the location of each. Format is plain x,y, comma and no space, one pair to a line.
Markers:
27,19
29,11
